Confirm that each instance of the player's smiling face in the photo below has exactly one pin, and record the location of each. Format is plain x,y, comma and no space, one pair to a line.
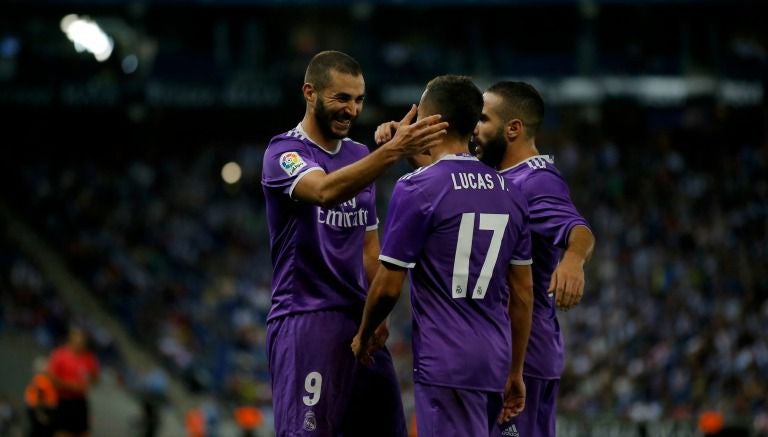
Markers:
489,136
339,103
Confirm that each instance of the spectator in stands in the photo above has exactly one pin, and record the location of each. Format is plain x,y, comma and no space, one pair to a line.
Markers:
41,399
73,369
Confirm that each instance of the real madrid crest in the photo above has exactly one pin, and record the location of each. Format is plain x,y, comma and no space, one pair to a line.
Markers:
310,422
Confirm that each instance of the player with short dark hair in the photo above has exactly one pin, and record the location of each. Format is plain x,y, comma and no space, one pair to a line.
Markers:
322,222
461,233
561,241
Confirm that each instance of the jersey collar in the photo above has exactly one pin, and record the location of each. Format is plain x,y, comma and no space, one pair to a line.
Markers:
300,129
549,158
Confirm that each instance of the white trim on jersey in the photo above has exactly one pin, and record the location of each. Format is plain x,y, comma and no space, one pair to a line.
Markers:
298,178
521,262
374,226
397,262
450,157
454,157
300,129
293,133
548,158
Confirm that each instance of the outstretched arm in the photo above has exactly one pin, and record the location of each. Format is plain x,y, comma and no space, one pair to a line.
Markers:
568,278
330,189
382,297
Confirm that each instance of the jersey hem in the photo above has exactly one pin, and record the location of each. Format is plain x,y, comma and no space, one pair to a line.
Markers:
460,387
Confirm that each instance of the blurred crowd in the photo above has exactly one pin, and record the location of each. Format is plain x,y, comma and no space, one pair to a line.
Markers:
674,311
178,258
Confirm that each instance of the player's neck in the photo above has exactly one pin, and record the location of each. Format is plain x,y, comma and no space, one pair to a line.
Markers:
315,134
449,146
517,153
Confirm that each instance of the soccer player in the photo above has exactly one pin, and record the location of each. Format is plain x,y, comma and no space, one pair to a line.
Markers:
461,231
561,241
323,232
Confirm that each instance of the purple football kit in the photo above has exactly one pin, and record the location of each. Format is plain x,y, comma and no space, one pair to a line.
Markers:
457,225
552,216
318,293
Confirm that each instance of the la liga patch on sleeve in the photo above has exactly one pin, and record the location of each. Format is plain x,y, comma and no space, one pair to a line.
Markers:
291,163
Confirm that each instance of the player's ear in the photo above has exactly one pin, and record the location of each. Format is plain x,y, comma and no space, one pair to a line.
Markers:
309,92
513,129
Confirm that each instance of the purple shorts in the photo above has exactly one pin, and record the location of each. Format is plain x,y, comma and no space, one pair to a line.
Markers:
319,389
539,417
446,411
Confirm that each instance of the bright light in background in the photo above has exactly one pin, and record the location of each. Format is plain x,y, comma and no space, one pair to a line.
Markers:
231,172
87,35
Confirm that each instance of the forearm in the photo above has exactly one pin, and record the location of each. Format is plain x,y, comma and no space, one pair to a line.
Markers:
520,314
377,308
520,279
344,183
382,297
370,265
581,243
371,249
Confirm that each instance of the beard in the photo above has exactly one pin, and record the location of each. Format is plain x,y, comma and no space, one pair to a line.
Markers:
492,152
325,119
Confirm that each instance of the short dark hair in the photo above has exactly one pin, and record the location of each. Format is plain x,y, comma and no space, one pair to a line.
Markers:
457,99
521,100
319,68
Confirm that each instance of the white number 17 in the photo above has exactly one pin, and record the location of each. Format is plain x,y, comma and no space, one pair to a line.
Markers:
488,222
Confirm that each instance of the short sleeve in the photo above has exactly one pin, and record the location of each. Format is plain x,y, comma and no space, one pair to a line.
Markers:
552,213
372,222
285,163
521,249
407,226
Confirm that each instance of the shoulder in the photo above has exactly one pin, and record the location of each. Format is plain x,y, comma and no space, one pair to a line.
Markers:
292,134
291,140
411,184
355,146
289,152
58,354
537,174
416,174
417,181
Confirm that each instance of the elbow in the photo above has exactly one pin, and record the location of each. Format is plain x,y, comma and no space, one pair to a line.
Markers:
390,294
327,197
324,199
324,203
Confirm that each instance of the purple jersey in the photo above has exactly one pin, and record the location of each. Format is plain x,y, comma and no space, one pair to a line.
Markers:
457,225
317,253
552,216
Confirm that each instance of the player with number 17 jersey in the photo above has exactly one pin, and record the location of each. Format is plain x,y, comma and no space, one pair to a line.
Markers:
457,225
